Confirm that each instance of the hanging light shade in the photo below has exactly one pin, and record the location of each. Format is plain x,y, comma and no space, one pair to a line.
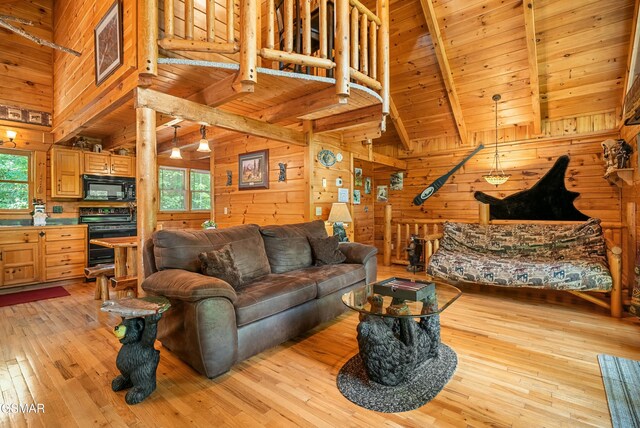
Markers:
175,151
496,176
203,146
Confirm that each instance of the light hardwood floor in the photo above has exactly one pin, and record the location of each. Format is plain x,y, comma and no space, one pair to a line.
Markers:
525,359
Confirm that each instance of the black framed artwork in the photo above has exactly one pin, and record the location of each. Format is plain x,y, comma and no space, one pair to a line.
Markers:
108,43
253,170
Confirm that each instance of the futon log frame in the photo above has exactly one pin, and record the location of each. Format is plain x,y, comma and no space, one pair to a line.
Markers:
431,231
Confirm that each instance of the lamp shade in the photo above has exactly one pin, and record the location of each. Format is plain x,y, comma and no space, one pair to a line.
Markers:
11,135
339,213
203,146
175,153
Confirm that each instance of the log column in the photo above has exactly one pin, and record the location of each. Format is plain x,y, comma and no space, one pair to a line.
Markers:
388,209
147,180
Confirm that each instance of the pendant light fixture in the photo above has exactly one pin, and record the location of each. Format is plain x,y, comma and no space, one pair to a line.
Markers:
175,150
496,176
204,143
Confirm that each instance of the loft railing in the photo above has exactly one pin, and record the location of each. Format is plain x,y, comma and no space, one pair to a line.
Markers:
360,52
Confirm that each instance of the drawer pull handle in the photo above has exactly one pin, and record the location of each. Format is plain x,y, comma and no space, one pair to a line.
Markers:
65,248
66,234
68,271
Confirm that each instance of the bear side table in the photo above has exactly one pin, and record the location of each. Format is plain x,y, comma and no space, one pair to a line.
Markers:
137,359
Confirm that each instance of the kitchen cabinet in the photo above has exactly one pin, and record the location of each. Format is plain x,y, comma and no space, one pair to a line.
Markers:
31,254
66,168
108,164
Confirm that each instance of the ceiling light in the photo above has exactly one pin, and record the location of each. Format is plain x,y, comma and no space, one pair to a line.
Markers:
496,176
175,151
204,143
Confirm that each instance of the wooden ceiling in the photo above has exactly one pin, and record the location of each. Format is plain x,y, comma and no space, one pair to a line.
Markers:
579,50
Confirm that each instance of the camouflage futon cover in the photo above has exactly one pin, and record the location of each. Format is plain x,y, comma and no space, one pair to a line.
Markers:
560,257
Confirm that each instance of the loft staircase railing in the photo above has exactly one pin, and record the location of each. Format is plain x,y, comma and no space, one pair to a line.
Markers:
360,52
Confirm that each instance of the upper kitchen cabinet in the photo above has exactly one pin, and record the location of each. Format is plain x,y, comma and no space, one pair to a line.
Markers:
108,164
66,168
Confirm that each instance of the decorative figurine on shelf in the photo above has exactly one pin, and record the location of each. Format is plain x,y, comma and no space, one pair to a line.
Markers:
609,152
623,154
137,360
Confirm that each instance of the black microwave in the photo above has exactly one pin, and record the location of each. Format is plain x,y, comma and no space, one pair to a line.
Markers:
107,188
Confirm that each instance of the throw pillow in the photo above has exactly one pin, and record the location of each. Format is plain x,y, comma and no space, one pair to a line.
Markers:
220,263
325,251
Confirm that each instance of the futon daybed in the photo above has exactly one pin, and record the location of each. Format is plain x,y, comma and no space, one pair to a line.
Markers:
213,323
570,257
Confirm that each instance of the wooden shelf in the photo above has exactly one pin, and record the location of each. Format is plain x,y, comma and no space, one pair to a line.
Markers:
624,174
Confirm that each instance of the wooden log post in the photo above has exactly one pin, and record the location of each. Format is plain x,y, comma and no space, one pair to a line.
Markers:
615,264
306,27
364,45
271,24
342,49
383,47
231,21
249,42
288,25
484,214
169,28
211,20
354,38
388,213
147,179
323,29
148,38
373,50
189,24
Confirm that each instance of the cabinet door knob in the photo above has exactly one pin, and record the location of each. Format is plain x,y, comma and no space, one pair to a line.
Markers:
42,233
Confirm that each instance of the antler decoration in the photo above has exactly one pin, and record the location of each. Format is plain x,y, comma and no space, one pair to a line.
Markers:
21,32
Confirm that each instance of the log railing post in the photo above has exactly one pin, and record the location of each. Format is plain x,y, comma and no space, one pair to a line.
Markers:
147,180
249,42
168,18
383,43
615,264
231,21
373,50
288,25
271,24
148,37
354,37
306,27
342,49
188,19
323,29
364,41
387,235
211,20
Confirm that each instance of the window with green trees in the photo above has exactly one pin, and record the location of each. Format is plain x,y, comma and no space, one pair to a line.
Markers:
184,189
14,181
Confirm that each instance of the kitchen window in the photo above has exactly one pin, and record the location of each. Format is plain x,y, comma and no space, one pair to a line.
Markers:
15,174
184,189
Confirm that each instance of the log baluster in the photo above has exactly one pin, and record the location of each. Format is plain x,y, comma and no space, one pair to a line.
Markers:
355,16
373,50
364,48
271,24
306,27
288,26
169,29
211,20
188,19
231,21
398,239
323,29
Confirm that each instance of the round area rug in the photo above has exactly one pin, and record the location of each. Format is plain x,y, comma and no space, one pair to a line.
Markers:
428,381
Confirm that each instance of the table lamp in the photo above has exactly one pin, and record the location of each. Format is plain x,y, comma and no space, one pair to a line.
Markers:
338,216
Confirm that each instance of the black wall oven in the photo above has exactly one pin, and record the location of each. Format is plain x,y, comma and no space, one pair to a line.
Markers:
106,223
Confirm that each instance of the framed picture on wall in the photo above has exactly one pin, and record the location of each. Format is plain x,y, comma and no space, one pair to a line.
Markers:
108,43
253,170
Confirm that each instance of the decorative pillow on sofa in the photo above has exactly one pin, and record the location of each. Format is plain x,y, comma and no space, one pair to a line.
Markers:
325,251
287,246
221,264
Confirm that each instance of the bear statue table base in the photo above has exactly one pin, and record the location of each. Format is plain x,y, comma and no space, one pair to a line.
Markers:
137,360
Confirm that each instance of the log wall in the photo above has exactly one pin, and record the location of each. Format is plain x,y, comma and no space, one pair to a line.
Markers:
75,90
27,79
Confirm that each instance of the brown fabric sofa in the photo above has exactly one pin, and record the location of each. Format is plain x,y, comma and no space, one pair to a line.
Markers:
211,325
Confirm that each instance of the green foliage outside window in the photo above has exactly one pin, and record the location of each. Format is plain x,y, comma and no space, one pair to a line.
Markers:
14,182
172,183
200,190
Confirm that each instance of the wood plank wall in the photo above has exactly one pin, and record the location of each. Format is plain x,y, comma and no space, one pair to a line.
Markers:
27,79
74,81
282,203
363,214
631,194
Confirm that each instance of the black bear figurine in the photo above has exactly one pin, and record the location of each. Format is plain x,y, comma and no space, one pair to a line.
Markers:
137,359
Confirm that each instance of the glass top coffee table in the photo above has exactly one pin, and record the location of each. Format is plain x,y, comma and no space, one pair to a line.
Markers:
401,363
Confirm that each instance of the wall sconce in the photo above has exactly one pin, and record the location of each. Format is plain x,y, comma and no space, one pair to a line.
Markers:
283,172
11,135
175,150
229,177
204,143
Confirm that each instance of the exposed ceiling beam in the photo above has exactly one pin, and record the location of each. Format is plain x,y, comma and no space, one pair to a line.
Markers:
397,122
189,110
348,119
445,69
381,159
532,51
221,92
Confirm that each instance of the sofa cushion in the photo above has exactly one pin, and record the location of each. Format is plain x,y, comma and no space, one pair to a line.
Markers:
332,278
272,294
221,264
179,249
286,254
287,246
325,251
